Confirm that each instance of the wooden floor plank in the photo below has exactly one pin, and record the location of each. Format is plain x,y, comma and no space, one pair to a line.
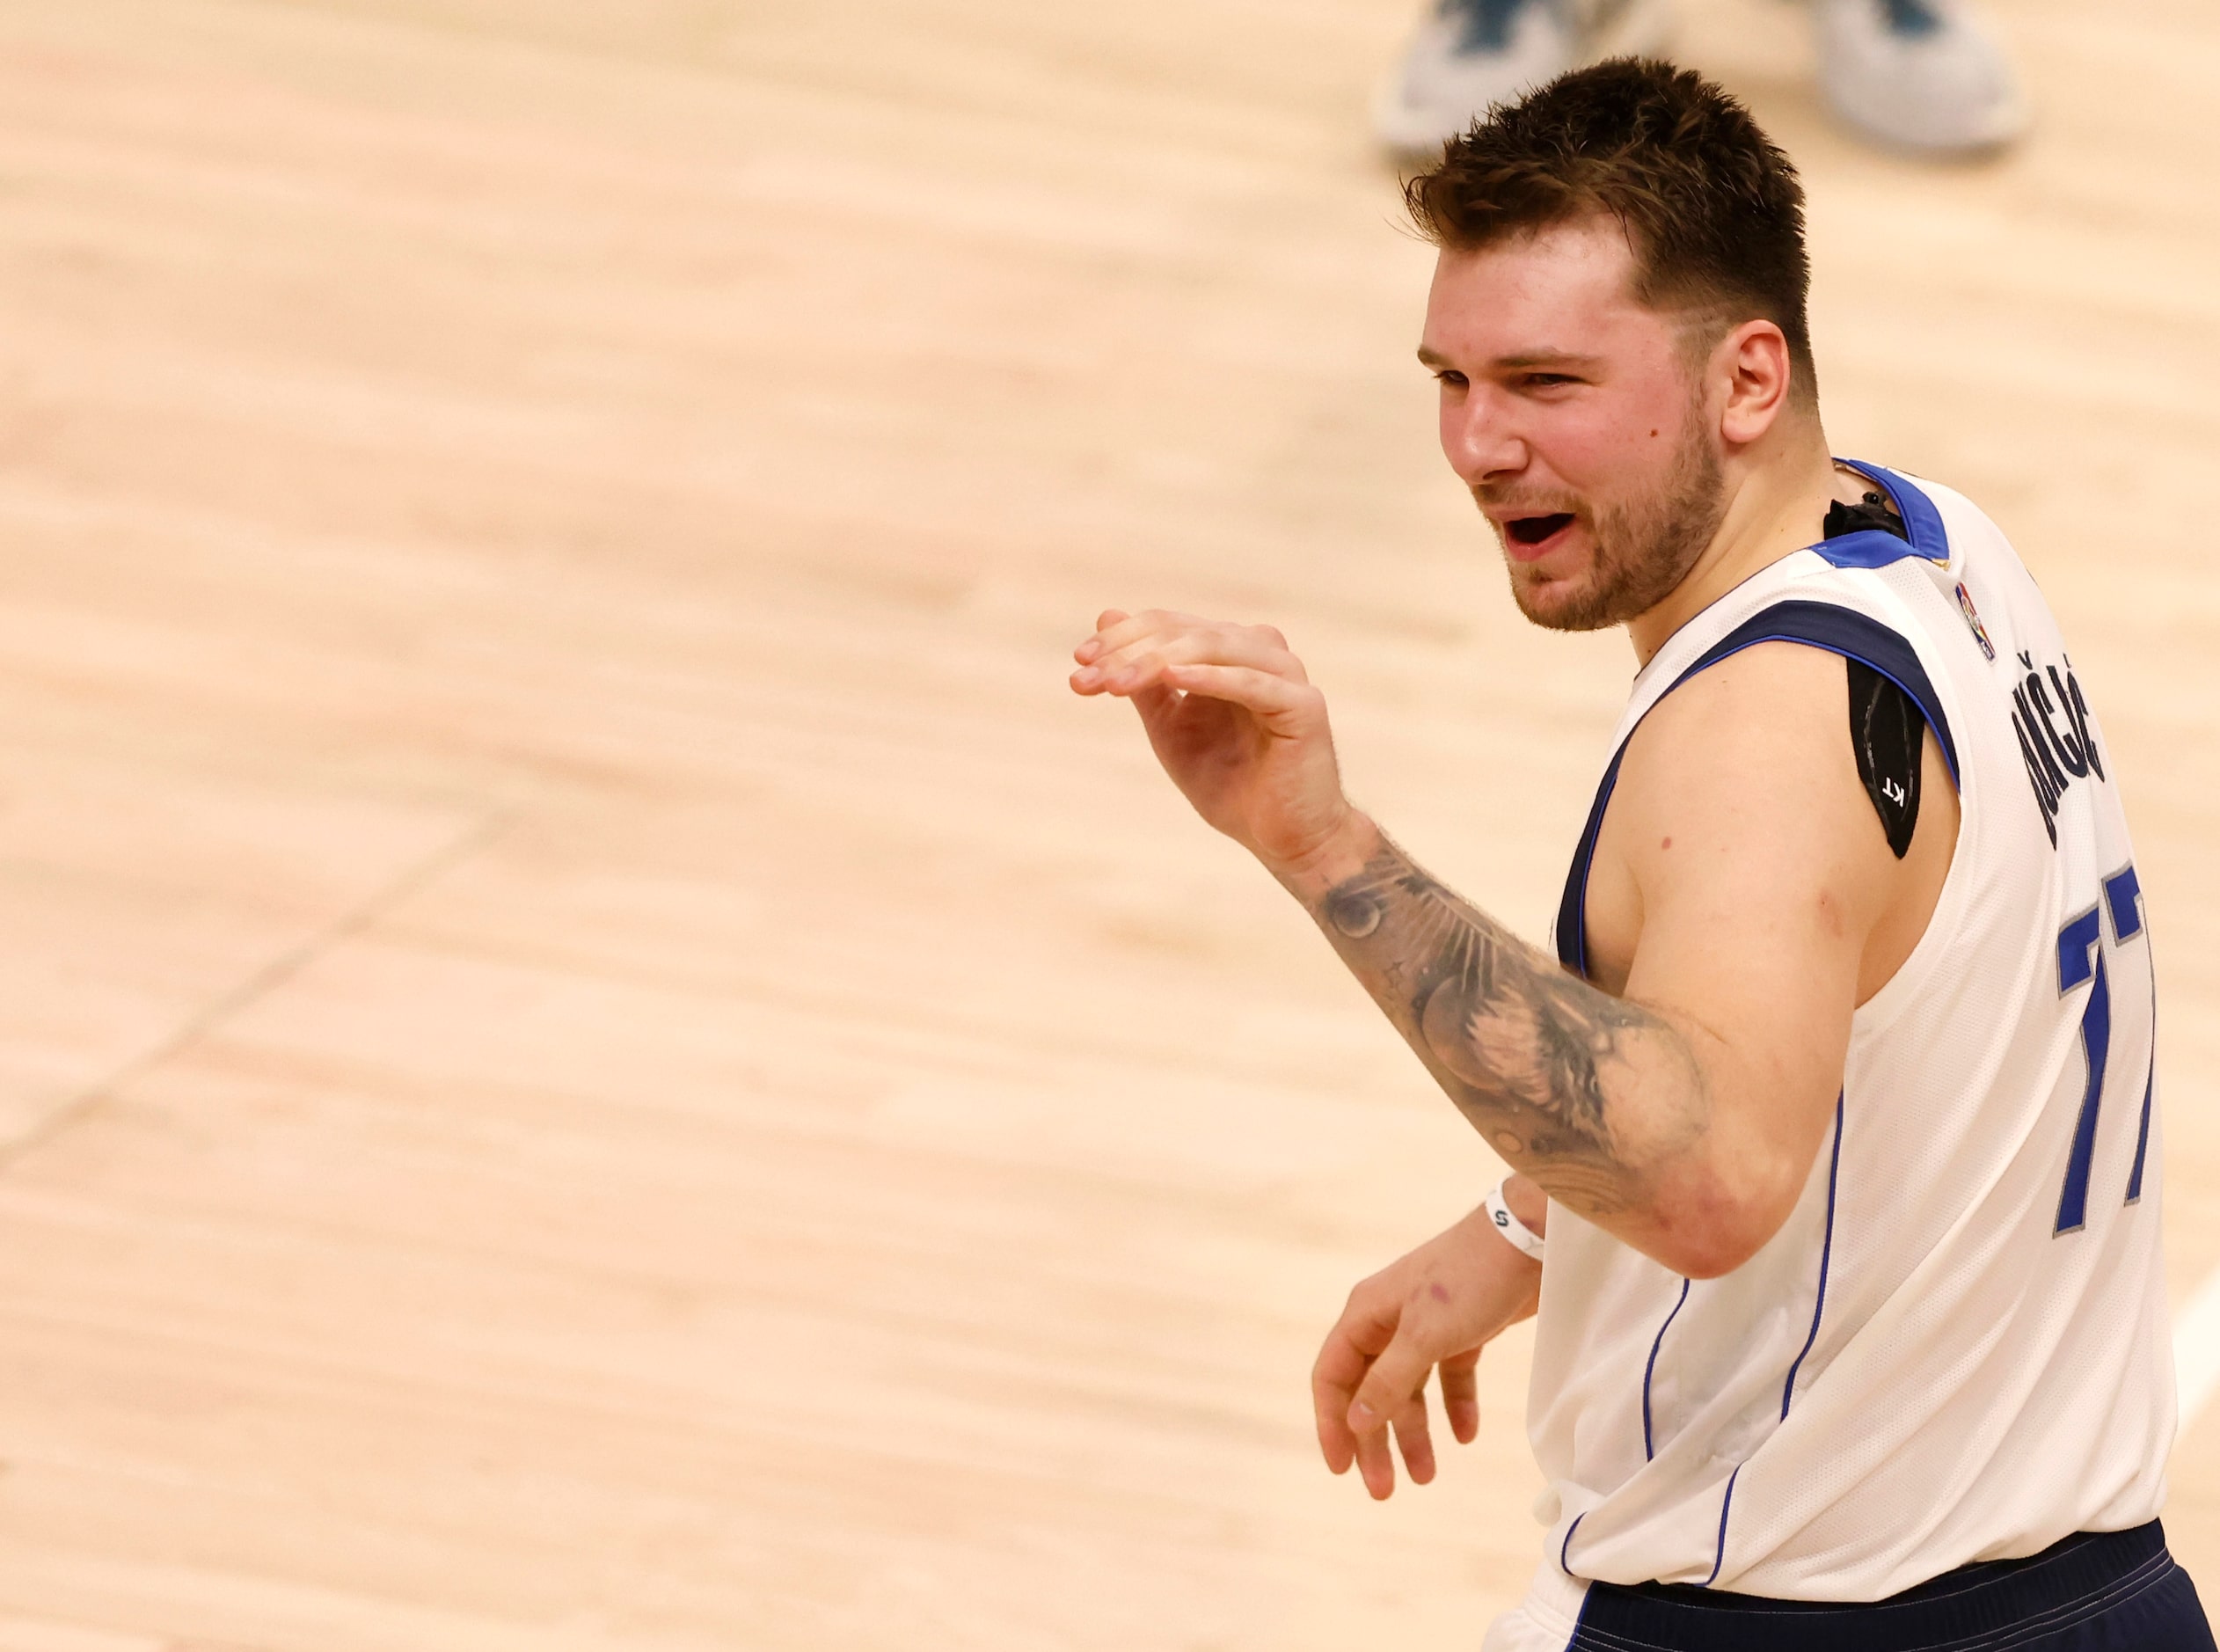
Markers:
656,1082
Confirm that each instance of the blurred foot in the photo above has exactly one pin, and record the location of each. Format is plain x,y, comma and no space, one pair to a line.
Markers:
1918,74
1469,54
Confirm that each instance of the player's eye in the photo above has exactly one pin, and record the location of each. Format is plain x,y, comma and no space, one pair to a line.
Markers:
1549,381
1445,375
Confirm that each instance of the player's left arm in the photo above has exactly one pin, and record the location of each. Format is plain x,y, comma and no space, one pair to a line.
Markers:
1741,856
1742,859
1680,1105
1753,903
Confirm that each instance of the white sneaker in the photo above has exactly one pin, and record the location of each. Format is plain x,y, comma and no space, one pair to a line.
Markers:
1469,55
1920,74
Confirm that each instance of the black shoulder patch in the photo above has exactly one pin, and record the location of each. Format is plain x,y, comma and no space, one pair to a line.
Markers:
1886,730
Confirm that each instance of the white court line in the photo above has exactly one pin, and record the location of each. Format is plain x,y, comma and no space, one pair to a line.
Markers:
2196,1349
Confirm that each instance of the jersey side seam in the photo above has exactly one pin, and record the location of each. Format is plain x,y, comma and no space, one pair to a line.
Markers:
1649,1450
1826,1256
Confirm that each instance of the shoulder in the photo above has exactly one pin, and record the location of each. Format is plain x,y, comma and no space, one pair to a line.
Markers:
1744,771
1768,697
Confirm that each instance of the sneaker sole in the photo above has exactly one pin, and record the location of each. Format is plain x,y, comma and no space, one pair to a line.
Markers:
2005,127
1632,28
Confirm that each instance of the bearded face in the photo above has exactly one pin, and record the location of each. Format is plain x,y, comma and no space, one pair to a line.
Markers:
1639,546
1579,416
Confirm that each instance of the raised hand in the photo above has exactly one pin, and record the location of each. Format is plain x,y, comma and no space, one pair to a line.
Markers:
1234,720
1436,1308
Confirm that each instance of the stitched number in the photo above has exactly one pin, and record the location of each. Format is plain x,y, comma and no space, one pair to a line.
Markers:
2124,894
2081,952
2081,960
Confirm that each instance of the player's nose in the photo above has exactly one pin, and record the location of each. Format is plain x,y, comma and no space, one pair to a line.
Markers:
1480,443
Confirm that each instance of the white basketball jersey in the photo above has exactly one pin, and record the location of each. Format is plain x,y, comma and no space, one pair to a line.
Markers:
1956,1348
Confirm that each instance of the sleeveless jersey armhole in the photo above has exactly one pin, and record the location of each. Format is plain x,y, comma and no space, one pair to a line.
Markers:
1857,636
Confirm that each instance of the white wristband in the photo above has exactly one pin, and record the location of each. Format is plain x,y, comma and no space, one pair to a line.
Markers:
1508,1225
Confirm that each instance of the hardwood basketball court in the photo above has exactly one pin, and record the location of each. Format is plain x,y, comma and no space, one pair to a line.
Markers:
595,1053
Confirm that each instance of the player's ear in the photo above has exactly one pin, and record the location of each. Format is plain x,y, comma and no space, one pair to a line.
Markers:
1754,361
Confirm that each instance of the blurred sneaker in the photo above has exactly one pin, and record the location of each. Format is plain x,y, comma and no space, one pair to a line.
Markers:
1918,74
1469,54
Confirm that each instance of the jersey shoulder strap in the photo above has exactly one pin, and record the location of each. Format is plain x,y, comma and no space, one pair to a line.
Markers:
1855,635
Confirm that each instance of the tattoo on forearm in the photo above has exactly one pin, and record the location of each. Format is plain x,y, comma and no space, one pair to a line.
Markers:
1540,1062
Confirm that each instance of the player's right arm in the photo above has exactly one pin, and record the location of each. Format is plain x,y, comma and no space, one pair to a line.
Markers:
1682,1112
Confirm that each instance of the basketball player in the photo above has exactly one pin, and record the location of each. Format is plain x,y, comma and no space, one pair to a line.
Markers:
1837,1161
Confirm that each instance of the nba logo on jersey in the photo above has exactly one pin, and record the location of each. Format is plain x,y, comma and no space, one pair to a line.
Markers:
1972,619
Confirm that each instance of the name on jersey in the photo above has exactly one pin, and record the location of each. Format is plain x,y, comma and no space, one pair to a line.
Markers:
2056,755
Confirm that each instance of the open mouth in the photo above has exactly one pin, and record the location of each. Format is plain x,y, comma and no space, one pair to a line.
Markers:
1536,530
1531,538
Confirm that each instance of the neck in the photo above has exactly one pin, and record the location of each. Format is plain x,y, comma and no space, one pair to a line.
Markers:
1775,502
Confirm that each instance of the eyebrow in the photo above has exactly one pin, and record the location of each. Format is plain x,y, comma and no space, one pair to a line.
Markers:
1525,359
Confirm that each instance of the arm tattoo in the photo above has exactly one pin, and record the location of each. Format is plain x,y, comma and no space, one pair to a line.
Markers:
1541,1063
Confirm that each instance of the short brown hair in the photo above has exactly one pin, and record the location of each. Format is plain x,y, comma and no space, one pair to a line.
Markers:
1711,206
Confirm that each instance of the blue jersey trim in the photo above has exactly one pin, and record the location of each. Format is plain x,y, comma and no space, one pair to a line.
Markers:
1828,626
1726,1504
1565,1551
1826,1256
1572,907
1867,548
1923,535
1819,1310
1649,1450
1853,635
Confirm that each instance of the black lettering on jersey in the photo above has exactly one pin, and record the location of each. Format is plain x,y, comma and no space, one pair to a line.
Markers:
2077,709
2054,757
2046,793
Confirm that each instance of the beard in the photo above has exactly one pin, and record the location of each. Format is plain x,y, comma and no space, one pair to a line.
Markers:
1642,547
